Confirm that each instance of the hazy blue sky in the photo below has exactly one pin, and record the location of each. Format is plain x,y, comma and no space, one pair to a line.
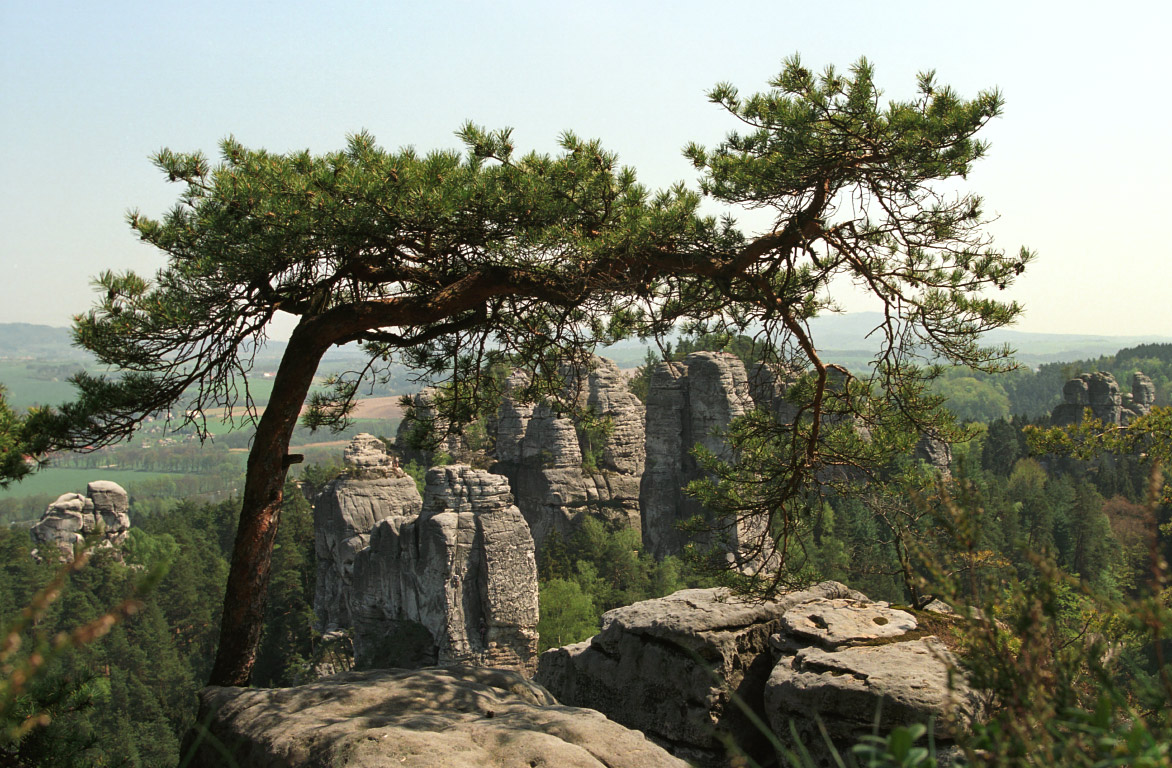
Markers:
1079,168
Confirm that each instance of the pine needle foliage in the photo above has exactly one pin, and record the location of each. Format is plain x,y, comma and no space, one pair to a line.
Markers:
452,260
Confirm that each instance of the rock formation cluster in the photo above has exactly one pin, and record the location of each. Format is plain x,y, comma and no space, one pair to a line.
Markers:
848,660
72,518
457,583
598,451
1101,394
561,465
372,489
446,577
450,576
688,403
455,717
670,667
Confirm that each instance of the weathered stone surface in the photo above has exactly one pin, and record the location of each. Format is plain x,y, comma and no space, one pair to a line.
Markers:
372,489
839,621
457,717
846,661
688,404
458,583
670,666
768,385
936,453
1097,391
366,451
903,683
512,423
1143,392
543,452
1140,400
72,517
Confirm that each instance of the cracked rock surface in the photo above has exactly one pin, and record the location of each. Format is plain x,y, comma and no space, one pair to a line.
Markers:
853,663
457,583
671,666
906,682
557,474
688,403
372,489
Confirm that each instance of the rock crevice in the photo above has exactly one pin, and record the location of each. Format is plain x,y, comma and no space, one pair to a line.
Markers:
688,403
457,583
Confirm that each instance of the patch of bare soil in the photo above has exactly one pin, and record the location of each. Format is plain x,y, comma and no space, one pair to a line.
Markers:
379,408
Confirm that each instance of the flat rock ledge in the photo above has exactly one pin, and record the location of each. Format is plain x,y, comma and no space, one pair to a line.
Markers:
440,717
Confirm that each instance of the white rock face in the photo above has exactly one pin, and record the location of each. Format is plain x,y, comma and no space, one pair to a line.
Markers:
541,451
373,489
688,403
457,583
840,621
73,517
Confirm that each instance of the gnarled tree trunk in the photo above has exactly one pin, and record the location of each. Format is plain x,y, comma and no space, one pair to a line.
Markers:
268,465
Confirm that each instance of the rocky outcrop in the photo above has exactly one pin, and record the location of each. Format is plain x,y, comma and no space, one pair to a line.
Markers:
670,667
73,518
457,717
847,662
424,433
1140,400
584,460
688,403
1100,393
373,488
1096,391
936,453
457,583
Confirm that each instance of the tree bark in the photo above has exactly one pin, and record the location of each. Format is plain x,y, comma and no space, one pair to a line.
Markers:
264,484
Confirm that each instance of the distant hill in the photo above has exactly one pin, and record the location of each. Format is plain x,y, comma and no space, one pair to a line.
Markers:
844,340
24,341
842,337
50,344
847,334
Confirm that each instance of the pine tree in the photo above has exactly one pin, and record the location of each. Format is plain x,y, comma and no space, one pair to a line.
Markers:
452,260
